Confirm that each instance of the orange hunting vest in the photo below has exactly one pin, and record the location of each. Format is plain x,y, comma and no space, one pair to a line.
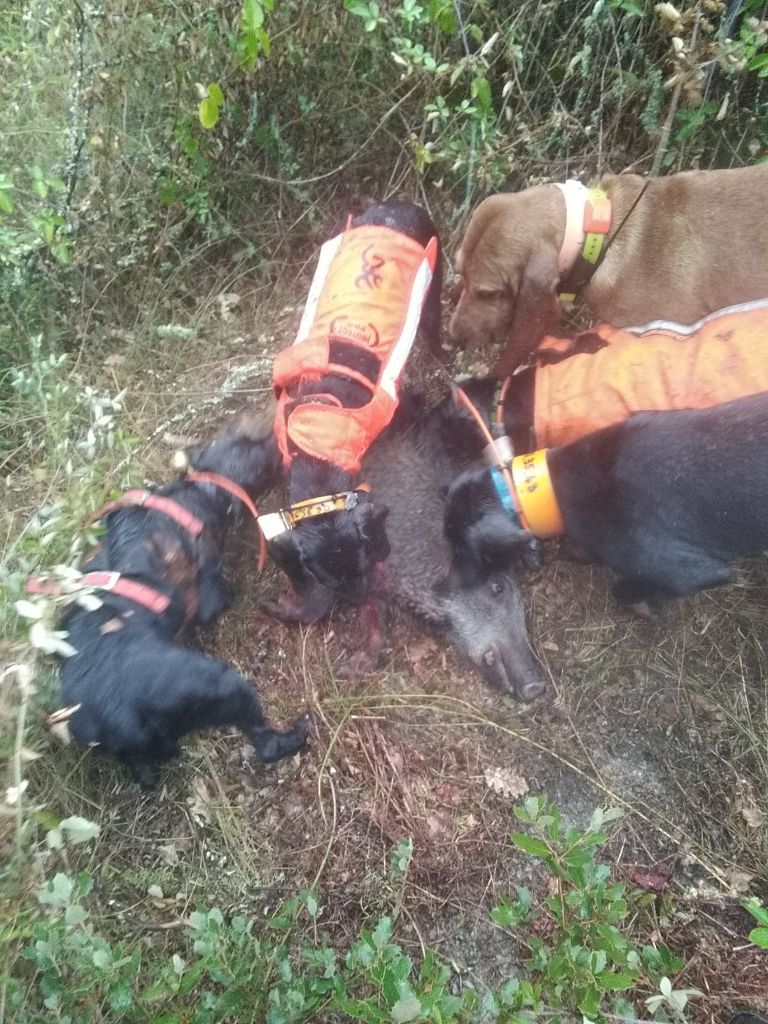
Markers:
361,318
658,366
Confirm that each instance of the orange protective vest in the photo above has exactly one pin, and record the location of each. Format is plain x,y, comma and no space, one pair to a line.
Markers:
658,366
367,294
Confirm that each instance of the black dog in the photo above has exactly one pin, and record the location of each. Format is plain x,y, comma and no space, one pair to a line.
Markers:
667,499
137,693
331,556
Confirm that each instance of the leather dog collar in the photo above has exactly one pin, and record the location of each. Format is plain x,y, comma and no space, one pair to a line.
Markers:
274,523
536,495
587,223
130,589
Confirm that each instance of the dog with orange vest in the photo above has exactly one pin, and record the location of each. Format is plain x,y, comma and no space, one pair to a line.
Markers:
336,390
666,499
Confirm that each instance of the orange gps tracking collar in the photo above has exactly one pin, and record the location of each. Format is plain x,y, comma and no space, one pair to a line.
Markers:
536,495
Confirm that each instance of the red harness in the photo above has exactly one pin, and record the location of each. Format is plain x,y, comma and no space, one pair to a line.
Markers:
360,321
130,589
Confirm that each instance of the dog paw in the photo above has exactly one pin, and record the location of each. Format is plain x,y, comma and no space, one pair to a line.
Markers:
644,610
301,726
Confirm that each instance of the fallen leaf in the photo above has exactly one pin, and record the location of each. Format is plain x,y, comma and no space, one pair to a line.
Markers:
169,854
155,892
228,303
506,782
199,802
449,795
739,880
550,645
753,815
652,881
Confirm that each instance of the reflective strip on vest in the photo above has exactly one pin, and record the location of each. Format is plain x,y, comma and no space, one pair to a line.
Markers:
368,292
658,366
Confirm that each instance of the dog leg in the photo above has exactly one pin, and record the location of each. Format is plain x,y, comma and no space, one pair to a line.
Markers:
682,575
144,772
214,597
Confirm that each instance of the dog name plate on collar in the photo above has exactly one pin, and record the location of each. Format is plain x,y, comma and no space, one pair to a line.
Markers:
274,523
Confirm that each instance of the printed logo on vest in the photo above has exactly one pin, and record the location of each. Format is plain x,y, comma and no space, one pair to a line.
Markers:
369,275
344,329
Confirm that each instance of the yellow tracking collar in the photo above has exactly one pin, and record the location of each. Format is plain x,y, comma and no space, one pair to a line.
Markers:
536,495
275,523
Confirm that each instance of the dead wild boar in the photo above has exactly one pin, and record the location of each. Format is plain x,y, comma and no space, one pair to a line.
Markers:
409,470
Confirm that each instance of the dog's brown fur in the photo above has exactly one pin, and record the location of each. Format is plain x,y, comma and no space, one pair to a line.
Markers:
695,242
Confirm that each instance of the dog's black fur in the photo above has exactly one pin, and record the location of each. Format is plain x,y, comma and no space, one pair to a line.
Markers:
667,499
331,557
139,693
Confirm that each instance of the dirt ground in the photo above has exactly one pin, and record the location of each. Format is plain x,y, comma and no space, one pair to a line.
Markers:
668,722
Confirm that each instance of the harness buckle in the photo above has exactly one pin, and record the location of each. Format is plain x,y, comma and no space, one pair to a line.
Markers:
101,579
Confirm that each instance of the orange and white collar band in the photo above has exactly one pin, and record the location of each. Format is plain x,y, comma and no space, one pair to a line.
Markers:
587,223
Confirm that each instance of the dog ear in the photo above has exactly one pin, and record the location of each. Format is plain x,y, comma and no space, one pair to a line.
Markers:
537,310
286,551
370,527
493,541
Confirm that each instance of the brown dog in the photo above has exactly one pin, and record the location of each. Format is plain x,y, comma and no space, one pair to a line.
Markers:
678,247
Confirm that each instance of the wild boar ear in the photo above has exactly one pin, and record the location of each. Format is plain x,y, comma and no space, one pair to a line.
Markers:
537,310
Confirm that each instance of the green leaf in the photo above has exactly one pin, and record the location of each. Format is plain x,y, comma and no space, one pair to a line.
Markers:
79,830
530,844
481,91
616,982
120,996
757,910
253,14
589,1004
382,933
406,1010
215,93
209,113
760,937
6,203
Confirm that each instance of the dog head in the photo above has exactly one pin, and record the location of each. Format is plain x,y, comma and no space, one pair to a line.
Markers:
483,537
508,264
335,551
245,451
